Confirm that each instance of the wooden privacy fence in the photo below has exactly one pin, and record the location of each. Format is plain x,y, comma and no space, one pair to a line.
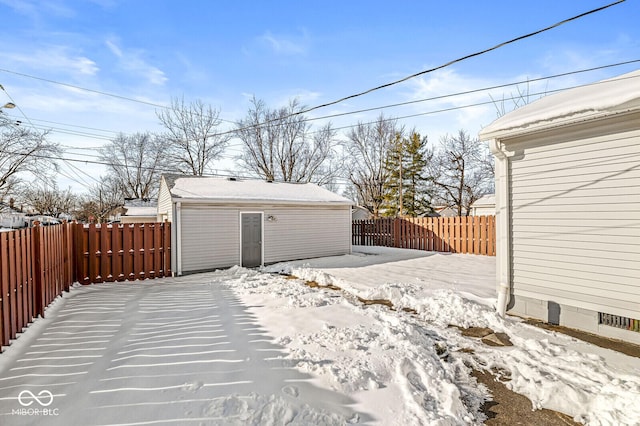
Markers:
470,234
122,252
37,264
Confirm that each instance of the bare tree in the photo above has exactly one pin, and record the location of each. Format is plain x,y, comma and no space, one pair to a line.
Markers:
520,99
23,153
461,171
135,163
367,148
192,136
49,201
101,201
279,145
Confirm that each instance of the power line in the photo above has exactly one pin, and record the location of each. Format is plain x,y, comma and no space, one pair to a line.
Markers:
468,92
485,103
482,52
339,128
346,97
514,83
99,92
104,163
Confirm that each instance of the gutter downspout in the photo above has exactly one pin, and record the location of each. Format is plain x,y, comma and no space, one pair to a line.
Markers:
178,225
503,219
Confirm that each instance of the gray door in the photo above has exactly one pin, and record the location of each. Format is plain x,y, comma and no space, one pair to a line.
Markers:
251,239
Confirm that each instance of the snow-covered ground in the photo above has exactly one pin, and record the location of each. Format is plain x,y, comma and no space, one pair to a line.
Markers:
253,347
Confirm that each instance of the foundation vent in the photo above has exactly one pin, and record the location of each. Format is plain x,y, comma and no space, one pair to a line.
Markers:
620,322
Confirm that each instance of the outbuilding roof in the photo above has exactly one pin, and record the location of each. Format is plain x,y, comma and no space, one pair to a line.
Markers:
215,189
141,211
597,100
485,200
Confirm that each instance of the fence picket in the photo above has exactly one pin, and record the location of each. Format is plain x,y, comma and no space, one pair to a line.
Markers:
473,234
5,309
19,284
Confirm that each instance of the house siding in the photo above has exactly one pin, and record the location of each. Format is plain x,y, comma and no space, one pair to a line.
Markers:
300,233
165,210
138,219
209,237
210,234
575,221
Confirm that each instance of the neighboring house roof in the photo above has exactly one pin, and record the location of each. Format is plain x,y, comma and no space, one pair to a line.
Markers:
141,211
207,189
445,211
598,100
488,200
140,207
140,202
359,212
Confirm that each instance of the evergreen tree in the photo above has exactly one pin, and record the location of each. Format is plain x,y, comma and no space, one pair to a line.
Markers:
417,191
407,190
391,187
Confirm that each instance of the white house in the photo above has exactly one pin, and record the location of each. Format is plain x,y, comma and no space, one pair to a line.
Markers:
219,222
484,206
360,213
568,208
139,211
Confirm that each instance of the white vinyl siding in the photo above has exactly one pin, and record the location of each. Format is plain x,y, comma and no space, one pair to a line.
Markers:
209,238
300,233
164,203
210,235
575,222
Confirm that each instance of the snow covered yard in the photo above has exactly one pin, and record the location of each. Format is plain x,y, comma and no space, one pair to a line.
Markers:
251,347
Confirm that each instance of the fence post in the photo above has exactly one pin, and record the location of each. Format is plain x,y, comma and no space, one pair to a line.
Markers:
38,270
396,232
5,295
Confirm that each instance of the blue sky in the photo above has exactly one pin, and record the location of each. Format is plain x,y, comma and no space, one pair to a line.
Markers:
226,52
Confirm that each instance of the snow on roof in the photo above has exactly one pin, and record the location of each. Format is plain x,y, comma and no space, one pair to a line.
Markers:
250,190
485,200
597,100
141,211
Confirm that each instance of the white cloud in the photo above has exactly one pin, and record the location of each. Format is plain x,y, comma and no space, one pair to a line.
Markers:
114,48
304,97
285,45
35,9
57,58
132,60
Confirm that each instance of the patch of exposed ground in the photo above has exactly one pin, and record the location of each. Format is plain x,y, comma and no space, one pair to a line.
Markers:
617,345
509,408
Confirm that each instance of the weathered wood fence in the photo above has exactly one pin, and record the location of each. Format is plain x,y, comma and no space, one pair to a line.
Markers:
37,264
470,234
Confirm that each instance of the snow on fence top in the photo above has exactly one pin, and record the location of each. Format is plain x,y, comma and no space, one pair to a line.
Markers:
597,100
252,190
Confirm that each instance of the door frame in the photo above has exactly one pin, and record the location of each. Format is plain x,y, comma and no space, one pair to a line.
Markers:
261,213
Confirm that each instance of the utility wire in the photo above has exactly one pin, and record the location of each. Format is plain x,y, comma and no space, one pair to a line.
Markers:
522,37
468,92
99,92
440,97
104,163
482,52
339,128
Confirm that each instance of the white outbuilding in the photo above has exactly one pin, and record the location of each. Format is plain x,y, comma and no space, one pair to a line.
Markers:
568,208
222,222
484,206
